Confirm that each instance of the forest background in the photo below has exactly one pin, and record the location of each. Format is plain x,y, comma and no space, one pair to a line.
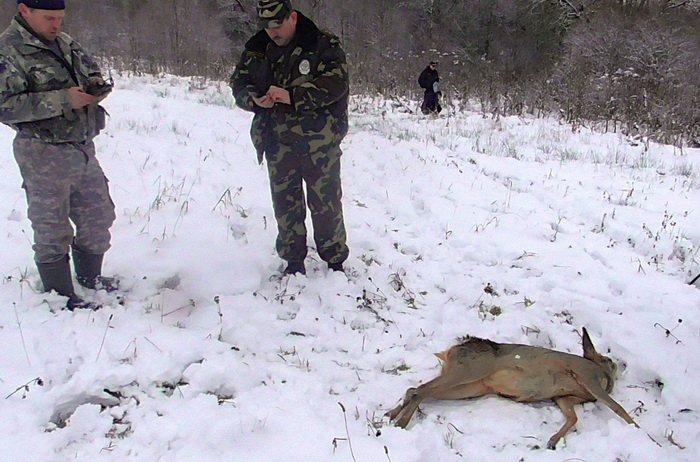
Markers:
624,65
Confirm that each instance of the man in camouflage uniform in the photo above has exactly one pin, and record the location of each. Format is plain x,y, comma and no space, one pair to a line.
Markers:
43,77
294,77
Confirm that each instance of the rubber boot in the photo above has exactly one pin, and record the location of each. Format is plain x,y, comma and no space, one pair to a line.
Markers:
295,267
336,267
57,276
88,270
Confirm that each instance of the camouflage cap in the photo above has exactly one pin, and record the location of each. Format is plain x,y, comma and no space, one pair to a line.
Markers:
271,13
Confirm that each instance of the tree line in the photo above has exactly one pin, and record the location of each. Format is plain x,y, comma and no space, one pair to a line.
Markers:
631,65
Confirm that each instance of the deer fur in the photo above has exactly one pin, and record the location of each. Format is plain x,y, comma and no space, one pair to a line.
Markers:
478,367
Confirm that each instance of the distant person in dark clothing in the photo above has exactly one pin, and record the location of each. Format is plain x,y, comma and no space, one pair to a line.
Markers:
429,81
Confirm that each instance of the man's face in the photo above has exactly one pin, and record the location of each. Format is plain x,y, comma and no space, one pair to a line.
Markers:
283,34
46,23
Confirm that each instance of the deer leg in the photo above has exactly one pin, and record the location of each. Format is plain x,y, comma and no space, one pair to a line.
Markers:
404,412
461,391
617,409
601,395
566,404
397,410
435,389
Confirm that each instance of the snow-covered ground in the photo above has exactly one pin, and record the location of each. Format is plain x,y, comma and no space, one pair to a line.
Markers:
518,230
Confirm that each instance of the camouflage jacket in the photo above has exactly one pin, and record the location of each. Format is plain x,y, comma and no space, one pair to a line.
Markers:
34,83
314,71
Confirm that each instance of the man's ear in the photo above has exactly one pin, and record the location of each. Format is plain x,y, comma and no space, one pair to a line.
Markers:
23,9
293,17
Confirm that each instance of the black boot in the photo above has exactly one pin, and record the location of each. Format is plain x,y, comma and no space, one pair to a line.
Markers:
295,267
56,276
88,269
336,267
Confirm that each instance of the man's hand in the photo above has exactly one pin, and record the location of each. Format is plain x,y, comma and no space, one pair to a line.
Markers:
263,101
79,99
279,95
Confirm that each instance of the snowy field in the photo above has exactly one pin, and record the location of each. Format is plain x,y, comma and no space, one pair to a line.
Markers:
519,230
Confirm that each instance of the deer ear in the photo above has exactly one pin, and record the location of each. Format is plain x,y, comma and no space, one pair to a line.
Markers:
589,351
442,356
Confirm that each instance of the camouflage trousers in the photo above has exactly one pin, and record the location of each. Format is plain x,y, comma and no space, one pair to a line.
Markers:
64,183
291,166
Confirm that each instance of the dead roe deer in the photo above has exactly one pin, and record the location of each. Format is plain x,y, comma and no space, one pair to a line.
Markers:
478,367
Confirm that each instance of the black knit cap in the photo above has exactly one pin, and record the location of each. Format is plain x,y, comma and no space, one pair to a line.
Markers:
44,4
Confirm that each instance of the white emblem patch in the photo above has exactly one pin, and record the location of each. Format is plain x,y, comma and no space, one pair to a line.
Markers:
305,67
